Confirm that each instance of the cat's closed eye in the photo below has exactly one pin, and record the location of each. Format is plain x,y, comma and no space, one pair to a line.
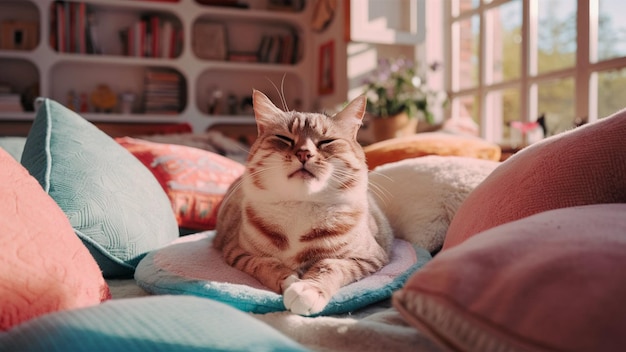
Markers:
324,142
285,139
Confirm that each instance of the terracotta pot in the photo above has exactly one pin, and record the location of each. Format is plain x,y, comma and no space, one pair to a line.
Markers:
398,125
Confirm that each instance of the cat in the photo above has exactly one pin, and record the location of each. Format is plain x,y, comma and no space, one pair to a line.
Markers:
301,219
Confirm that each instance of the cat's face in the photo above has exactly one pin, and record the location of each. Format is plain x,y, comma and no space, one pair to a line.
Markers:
306,154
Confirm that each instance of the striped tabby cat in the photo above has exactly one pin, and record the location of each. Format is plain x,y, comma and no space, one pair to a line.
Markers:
301,219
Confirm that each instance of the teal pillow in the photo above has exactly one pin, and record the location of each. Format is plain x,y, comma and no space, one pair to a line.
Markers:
158,323
114,203
13,145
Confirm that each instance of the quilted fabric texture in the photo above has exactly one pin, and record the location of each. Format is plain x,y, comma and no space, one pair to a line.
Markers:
181,268
164,323
114,203
429,143
586,165
553,281
194,179
44,267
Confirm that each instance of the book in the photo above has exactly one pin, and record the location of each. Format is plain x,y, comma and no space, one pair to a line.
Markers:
155,33
60,27
10,102
167,39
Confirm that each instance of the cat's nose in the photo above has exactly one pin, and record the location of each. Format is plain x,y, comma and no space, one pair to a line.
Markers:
303,155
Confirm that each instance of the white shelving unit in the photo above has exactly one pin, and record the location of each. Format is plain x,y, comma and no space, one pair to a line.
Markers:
55,73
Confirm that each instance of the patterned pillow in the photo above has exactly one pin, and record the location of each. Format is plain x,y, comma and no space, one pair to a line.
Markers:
584,166
194,179
44,266
553,281
114,203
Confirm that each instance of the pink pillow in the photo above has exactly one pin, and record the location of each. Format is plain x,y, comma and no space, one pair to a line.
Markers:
195,180
583,166
553,281
44,267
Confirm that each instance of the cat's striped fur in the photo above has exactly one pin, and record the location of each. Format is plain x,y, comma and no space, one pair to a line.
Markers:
301,218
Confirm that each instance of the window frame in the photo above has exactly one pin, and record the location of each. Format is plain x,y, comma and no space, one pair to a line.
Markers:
584,72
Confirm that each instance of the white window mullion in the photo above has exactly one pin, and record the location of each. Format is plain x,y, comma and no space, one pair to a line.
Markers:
586,80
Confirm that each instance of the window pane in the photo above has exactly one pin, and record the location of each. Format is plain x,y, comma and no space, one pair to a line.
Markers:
466,59
556,32
460,6
611,92
503,107
504,42
556,102
611,29
466,106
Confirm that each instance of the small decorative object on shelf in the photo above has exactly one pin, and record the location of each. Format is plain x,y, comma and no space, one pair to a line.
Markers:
127,102
19,35
209,40
103,99
397,96
9,101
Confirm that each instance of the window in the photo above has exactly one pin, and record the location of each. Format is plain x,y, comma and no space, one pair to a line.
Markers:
512,61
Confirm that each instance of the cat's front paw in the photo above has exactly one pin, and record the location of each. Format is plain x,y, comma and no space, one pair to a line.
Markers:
304,298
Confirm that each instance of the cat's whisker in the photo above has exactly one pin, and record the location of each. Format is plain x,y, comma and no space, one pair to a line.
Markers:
382,175
380,192
281,92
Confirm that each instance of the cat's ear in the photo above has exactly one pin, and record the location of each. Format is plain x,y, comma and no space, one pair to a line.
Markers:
265,112
351,116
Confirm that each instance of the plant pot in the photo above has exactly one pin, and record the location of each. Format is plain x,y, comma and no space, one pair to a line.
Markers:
398,125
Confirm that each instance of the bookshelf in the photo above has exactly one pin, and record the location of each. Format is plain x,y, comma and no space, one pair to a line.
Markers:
69,65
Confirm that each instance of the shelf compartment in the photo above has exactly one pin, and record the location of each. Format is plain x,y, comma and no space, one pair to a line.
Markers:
19,25
96,29
237,40
21,77
69,86
228,92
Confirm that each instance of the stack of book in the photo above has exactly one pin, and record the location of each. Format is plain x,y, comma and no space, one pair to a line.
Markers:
9,101
73,29
279,48
163,92
152,36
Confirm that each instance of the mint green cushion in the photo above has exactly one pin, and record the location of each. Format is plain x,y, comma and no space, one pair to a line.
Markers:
159,323
115,205
13,145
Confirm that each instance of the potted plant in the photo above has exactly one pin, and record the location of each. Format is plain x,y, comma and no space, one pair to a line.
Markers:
397,98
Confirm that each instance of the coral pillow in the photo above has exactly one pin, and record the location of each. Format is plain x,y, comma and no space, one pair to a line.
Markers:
429,143
583,166
194,179
114,203
44,267
553,281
